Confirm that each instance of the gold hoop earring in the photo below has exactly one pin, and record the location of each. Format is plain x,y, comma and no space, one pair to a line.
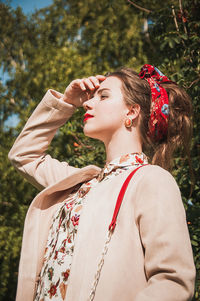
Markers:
128,122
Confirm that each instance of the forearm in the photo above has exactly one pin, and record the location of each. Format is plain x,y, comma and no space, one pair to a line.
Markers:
28,152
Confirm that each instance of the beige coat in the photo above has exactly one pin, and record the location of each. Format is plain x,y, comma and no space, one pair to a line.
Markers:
149,257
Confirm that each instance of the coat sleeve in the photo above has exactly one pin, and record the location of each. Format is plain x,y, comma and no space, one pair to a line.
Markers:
161,220
28,154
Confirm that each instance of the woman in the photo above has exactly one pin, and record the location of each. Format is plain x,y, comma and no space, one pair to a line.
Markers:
149,256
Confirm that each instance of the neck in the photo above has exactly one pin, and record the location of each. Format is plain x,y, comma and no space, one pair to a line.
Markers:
120,144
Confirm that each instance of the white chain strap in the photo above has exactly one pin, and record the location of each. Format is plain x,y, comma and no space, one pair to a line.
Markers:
110,232
100,265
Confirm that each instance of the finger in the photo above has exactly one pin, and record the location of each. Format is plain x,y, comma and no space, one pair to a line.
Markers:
79,84
95,81
88,95
88,83
101,77
82,86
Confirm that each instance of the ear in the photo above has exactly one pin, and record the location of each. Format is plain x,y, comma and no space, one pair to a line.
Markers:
133,111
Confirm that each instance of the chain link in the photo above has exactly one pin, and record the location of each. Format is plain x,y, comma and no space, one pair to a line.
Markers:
100,265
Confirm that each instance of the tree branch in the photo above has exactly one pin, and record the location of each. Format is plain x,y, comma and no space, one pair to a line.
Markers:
175,20
194,82
139,7
181,10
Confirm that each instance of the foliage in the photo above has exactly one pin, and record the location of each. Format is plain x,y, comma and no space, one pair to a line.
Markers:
72,39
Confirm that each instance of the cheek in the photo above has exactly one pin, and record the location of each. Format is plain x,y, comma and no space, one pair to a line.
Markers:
110,119
113,119
114,115
102,124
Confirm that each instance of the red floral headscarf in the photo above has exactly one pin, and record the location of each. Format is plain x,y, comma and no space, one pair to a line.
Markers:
158,122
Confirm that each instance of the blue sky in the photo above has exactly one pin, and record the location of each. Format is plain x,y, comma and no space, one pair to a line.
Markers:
29,6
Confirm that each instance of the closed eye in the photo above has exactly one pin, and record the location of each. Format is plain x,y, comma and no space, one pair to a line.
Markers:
104,96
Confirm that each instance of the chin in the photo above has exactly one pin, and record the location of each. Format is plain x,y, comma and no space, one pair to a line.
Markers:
91,133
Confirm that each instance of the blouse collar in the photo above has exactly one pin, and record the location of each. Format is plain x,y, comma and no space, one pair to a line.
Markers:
123,162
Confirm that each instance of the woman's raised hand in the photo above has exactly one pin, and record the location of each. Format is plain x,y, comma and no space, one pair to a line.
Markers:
80,90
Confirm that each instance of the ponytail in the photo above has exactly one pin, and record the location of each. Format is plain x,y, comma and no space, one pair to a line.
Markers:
179,131
137,90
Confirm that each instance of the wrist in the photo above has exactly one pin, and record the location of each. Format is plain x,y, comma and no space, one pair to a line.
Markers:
67,101
56,94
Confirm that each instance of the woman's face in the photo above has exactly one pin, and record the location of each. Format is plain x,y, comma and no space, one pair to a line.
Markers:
105,111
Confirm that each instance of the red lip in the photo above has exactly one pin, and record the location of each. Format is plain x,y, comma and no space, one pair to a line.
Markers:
87,116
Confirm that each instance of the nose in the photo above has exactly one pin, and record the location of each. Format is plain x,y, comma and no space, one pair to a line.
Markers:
88,104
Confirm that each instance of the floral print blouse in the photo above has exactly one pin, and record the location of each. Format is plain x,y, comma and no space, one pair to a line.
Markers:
54,275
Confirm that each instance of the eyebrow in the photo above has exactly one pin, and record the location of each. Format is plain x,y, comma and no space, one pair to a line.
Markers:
100,90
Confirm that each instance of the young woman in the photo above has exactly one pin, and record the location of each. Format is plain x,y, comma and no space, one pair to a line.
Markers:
148,255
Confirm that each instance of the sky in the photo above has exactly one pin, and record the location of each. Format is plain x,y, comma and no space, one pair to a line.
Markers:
29,6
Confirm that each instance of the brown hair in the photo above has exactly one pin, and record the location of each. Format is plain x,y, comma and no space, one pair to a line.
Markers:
137,91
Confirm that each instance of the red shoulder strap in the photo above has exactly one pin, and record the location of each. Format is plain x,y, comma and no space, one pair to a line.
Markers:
120,198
